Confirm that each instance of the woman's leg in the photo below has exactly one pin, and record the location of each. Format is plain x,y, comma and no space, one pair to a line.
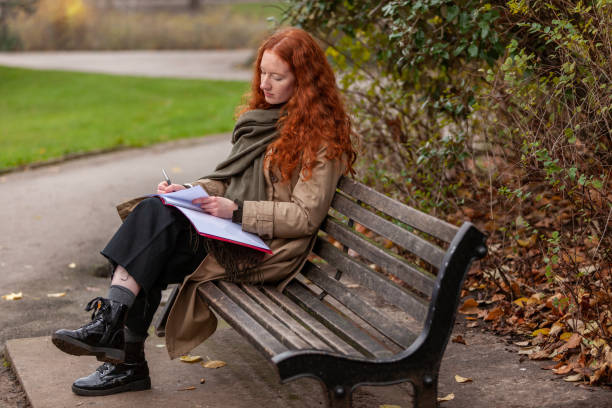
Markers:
152,247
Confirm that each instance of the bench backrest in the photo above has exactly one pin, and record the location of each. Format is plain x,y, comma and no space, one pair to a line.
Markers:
376,265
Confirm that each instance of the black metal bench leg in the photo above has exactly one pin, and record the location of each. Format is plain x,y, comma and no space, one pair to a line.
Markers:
425,391
339,396
160,324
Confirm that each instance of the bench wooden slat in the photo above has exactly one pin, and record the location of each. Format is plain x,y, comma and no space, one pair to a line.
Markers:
408,215
347,331
387,327
241,321
404,238
419,280
313,324
361,274
276,311
278,329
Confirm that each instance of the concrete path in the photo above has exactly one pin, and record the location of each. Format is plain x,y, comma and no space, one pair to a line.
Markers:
56,219
217,64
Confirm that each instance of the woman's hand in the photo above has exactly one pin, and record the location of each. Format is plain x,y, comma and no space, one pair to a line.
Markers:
218,206
163,188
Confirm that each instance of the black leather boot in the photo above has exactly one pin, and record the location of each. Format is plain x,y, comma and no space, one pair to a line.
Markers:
132,375
102,337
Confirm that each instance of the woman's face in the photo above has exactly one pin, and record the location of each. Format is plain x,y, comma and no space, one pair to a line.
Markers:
277,80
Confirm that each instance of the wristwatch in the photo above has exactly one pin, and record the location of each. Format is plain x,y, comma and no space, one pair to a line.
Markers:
237,214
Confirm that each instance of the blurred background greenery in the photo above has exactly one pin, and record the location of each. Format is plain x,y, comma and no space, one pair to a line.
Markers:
144,24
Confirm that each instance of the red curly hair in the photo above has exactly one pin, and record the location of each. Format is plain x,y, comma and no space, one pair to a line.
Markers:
315,114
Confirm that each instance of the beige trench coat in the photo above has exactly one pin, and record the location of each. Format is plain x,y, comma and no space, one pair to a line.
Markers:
288,222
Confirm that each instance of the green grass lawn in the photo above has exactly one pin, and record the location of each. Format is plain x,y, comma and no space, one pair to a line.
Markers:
48,114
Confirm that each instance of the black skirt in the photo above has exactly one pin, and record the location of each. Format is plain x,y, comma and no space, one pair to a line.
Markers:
157,245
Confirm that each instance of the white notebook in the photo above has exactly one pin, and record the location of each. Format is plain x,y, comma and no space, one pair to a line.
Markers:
209,225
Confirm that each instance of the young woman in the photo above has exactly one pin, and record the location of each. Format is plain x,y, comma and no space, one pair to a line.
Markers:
290,146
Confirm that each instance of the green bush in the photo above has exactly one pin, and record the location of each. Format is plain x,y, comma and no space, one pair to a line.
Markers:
500,112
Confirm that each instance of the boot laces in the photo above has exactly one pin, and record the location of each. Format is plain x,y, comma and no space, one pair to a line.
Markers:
98,305
105,368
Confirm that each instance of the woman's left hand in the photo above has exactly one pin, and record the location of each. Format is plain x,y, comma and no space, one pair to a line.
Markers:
218,206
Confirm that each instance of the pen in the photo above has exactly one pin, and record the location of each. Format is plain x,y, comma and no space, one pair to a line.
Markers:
166,176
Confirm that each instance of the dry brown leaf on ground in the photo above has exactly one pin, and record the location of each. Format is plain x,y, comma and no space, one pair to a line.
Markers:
470,306
563,369
13,296
459,339
213,364
574,378
540,355
462,380
448,397
190,359
494,314
56,295
187,388
574,341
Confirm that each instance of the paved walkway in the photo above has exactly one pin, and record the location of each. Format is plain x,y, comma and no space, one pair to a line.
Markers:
218,64
56,218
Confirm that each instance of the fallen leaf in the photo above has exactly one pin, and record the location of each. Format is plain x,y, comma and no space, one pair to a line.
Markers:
539,355
213,364
521,301
187,388
459,339
494,314
565,336
56,295
449,397
13,296
527,243
470,306
461,379
563,369
472,325
573,378
574,341
72,265
190,359
545,331
529,350
555,329
522,343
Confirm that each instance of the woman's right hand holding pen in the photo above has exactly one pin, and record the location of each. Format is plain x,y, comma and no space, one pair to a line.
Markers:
163,187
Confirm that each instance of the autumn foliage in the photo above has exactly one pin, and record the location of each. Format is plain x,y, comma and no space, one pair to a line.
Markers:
499,113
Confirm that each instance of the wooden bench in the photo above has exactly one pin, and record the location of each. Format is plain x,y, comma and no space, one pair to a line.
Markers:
373,315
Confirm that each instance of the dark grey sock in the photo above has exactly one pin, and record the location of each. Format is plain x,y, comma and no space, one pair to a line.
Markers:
122,295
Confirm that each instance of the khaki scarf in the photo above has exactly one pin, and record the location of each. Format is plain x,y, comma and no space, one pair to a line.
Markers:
253,132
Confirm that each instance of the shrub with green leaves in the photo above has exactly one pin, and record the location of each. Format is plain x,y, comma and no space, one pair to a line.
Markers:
496,111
